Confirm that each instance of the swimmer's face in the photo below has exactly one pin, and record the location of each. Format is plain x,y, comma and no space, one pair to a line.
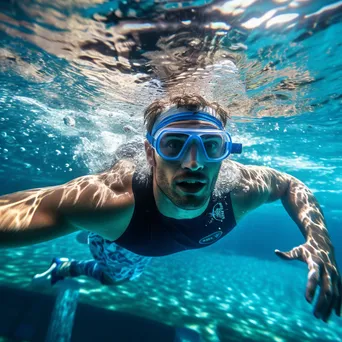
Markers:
188,182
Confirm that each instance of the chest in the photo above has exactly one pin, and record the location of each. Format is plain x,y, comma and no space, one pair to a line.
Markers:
163,235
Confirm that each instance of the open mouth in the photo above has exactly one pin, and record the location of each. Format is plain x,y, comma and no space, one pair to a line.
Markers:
191,186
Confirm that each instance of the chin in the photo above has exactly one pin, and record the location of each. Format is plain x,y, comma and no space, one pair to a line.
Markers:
190,202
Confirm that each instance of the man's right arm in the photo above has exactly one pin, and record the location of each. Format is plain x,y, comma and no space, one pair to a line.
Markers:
100,203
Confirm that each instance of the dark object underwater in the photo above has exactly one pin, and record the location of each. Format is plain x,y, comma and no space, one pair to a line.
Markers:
25,316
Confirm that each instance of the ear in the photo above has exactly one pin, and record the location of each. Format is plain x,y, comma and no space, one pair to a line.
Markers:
150,154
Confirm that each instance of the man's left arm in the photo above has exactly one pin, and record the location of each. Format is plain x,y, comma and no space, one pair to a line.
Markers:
263,185
317,251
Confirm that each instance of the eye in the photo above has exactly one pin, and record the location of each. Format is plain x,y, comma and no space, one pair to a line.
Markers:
173,141
174,144
211,145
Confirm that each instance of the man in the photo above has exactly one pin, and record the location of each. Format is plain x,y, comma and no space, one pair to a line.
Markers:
189,197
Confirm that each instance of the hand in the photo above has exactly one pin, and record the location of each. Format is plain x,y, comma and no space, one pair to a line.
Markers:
323,272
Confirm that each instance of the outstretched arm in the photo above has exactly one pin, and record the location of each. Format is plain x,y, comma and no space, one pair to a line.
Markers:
317,251
263,185
92,202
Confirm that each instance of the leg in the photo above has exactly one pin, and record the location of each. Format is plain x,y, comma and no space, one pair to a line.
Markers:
89,268
116,263
112,264
62,268
74,268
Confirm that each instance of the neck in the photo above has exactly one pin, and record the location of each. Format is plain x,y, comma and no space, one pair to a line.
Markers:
168,209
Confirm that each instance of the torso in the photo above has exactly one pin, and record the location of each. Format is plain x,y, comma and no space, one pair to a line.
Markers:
121,180
152,234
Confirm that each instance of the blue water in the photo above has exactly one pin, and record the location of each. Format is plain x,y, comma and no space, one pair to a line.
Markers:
58,64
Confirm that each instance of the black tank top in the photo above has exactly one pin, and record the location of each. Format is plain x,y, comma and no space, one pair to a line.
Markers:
152,234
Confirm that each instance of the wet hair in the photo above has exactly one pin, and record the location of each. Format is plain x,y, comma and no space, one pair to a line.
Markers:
190,102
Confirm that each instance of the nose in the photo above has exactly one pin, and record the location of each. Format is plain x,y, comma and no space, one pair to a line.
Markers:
192,159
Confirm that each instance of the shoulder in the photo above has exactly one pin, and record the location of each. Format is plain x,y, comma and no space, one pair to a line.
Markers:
256,179
119,177
108,190
254,186
106,197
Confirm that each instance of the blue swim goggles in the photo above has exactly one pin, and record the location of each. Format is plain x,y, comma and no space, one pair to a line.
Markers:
171,143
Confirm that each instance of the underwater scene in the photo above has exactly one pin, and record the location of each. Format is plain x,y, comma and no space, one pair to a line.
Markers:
75,79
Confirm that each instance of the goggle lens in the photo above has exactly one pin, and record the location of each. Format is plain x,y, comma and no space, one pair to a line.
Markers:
171,144
214,145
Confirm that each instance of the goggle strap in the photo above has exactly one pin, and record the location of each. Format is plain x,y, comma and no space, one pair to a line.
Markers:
187,116
149,138
236,148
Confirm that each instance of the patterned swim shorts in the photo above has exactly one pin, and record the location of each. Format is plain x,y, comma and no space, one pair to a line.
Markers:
116,262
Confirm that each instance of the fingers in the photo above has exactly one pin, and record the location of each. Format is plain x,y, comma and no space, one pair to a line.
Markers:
285,255
323,274
313,280
329,298
324,305
329,308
